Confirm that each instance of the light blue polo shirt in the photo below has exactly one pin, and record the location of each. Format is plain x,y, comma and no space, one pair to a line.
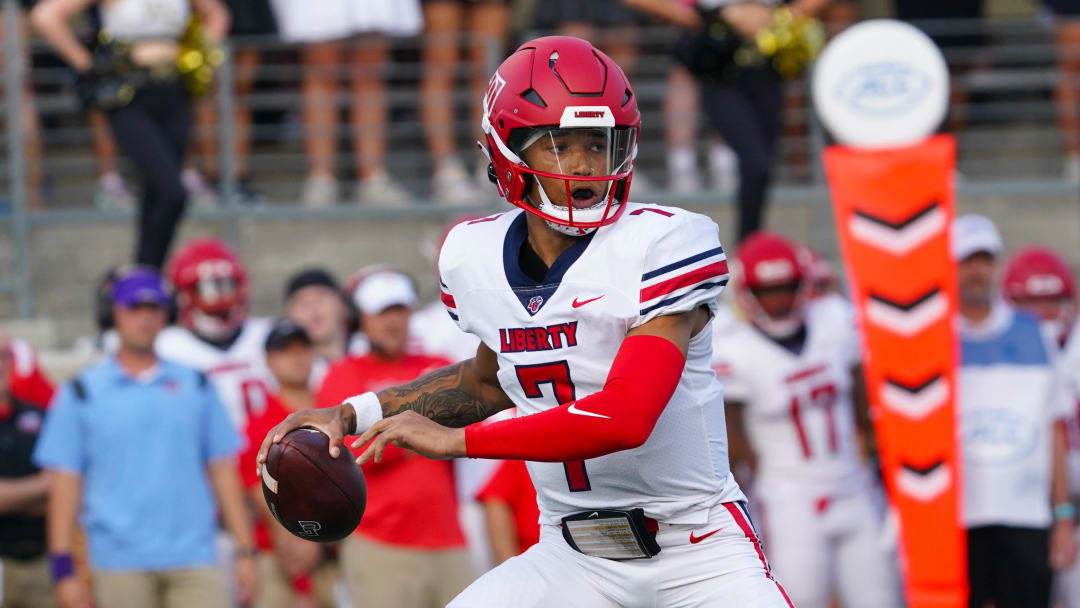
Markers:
142,447
1010,395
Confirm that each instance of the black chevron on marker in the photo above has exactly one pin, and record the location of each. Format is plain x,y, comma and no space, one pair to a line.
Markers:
898,225
910,305
923,471
913,388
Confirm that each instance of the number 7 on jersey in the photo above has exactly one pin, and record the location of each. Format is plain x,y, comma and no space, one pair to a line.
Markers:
557,374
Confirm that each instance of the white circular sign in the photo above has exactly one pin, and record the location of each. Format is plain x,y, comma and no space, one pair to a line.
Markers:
881,83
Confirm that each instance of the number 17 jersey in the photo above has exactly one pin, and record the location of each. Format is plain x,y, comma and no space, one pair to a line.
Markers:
556,340
799,414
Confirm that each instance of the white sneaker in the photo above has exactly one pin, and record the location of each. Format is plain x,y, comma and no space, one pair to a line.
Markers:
723,168
1072,168
451,184
113,193
381,189
685,182
319,191
200,194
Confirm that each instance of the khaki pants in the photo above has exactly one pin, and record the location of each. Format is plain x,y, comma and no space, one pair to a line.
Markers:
25,584
384,576
275,591
183,588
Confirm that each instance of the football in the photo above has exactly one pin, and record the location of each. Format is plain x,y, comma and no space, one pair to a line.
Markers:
314,496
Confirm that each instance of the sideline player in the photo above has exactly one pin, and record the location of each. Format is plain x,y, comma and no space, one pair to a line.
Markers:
791,385
215,334
1037,279
594,318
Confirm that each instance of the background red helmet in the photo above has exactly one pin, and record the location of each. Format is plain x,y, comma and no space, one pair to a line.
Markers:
819,273
211,286
1038,278
1038,272
554,84
767,259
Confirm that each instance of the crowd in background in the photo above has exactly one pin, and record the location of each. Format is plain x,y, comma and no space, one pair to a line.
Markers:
348,54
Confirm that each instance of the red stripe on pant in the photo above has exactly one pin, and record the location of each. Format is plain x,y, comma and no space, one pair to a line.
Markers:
744,525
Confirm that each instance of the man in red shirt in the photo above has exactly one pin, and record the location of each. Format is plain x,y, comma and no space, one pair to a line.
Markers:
292,571
409,551
510,511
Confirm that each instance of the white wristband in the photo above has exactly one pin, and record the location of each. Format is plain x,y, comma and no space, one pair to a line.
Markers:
368,410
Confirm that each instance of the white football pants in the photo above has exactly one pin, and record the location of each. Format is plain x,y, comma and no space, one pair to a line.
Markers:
724,568
821,545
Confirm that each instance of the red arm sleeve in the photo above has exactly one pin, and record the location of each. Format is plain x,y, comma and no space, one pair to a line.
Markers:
642,380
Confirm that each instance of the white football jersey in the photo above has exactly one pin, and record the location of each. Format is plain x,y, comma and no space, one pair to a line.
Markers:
799,415
239,372
436,334
556,341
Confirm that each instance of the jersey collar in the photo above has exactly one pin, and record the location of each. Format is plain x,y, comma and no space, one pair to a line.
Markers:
531,294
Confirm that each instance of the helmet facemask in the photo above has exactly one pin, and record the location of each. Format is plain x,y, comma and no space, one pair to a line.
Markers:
217,306
779,321
575,178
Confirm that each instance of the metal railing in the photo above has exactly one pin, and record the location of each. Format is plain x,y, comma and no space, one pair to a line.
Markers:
1006,124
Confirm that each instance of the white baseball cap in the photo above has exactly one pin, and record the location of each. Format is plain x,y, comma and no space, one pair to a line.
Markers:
974,233
384,289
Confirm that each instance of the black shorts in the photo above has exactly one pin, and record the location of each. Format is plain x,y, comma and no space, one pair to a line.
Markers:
1009,567
251,18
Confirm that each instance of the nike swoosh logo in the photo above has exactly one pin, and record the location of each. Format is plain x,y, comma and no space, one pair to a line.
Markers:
577,304
697,539
573,409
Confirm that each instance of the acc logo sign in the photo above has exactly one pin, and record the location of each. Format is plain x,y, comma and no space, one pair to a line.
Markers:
886,87
881,83
997,437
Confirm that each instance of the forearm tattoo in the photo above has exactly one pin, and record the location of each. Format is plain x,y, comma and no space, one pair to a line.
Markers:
442,395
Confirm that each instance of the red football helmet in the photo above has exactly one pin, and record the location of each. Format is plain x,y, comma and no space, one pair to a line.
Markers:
1038,279
766,260
818,271
211,286
570,109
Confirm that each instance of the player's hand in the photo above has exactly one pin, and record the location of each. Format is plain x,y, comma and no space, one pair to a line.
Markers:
247,579
332,421
1062,544
71,593
415,432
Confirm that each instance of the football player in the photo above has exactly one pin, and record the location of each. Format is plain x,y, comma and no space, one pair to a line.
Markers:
796,409
215,334
593,314
1038,279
